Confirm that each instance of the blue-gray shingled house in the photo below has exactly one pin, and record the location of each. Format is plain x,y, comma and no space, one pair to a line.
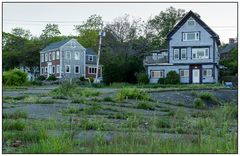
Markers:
68,59
192,53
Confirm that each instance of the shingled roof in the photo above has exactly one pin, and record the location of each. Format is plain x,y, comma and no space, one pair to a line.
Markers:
228,48
89,51
55,45
195,17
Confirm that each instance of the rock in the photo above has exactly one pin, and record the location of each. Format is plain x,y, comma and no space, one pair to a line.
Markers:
17,143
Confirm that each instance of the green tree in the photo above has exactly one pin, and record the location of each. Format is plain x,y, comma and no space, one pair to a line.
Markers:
20,32
162,24
51,30
88,31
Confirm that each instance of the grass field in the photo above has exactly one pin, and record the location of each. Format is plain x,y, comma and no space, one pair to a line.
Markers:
73,119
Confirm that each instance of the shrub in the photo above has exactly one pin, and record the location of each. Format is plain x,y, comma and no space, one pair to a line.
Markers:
91,79
132,93
198,103
172,78
142,78
14,77
209,97
41,78
161,80
145,105
52,78
108,99
82,78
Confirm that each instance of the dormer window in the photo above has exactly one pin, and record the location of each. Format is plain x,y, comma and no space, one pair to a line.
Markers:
90,58
191,36
191,22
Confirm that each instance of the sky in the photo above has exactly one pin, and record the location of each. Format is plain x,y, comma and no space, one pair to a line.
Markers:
221,17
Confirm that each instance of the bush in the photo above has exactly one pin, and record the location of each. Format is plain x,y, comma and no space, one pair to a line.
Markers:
145,105
91,79
82,78
198,103
142,78
161,80
9,124
14,77
172,78
209,97
41,78
52,78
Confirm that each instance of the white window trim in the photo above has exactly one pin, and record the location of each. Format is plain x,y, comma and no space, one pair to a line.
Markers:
208,75
58,69
75,69
90,71
53,55
161,74
90,56
185,72
50,56
195,36
175,51
57,54
53,66
46,57
185,51
42,57
194,51
42,70
68,52
66,68
78,55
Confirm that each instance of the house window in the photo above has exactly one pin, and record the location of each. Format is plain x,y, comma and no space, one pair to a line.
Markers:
53,69
157,74
50,56
154,56
191,36
184,73
191,22
183,53
67,68
207,72
53,56
68,55
77,56
57,55
46,57
77,70
90,58
42,71
200,53
46,70
58,68
92,70
176,53
42,57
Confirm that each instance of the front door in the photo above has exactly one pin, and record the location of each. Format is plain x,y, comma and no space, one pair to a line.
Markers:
196,76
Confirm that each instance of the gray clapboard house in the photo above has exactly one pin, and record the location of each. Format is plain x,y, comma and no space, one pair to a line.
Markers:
192,53
68,59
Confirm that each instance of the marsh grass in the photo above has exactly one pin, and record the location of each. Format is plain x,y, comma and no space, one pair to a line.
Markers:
11,124
199,104
207,96
37,100
15,115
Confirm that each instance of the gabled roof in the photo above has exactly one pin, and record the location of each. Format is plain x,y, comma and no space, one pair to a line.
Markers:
228,48
89,51
196,18
55,45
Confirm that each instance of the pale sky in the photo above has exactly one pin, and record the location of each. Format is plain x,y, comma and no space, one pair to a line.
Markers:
221,17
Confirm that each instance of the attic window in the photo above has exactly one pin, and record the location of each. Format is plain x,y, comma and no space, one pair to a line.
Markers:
191,22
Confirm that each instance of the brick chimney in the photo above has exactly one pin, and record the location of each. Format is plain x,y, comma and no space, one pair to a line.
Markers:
231,40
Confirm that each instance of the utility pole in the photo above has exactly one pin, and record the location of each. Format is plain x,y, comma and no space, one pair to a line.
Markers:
101,34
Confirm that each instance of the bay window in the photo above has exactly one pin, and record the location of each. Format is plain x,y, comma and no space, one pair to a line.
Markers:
176,53
183,53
